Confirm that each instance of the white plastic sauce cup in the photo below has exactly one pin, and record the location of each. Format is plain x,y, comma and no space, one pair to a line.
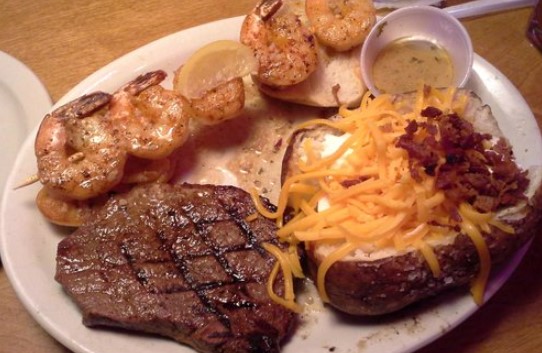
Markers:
423,23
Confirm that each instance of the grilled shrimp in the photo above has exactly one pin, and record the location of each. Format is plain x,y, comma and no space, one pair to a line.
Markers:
78,154
153,120
286,50
65,211
341,24
142,171
224,102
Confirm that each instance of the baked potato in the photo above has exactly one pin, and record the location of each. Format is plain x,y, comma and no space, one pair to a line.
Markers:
371,280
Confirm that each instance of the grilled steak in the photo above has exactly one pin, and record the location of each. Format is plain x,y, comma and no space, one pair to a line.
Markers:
181,261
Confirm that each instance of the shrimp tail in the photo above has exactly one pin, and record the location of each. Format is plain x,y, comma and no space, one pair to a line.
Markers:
83,106
142,82
267,8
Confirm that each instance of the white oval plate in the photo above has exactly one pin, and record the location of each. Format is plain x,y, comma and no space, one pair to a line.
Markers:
28,242
24,101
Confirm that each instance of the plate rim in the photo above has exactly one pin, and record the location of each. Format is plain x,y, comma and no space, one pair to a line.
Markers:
29,94
40,95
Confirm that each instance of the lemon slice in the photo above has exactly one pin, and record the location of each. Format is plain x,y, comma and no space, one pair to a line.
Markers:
212,65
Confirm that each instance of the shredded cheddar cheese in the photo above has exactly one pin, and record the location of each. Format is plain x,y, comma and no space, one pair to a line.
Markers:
361,195
251,217
290,266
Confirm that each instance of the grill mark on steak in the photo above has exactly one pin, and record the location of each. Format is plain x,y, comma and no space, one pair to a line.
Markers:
207,249
245,228
219,253
180,264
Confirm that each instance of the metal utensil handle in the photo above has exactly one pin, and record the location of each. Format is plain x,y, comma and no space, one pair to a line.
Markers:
482,7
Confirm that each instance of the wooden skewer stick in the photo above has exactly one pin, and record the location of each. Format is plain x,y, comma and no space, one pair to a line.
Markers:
28,181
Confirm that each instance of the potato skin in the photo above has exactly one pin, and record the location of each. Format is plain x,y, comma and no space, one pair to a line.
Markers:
390,284
370,288
293,151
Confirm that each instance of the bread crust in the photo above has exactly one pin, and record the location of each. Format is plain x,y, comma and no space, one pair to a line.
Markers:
388,284
336,81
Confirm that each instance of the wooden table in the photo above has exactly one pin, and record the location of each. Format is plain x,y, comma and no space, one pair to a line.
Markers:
64,41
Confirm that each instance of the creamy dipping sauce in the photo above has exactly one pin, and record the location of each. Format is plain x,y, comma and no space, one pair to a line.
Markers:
405,63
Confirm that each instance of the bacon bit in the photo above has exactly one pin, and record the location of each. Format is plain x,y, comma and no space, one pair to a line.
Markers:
422,154
277,145
464,169
431,112
335,91
351,182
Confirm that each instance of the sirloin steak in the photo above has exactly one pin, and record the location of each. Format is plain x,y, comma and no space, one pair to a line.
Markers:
180,261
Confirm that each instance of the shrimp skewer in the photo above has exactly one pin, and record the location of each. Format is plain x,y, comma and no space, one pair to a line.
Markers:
102,143
285,49
341,24
153,120
78,154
